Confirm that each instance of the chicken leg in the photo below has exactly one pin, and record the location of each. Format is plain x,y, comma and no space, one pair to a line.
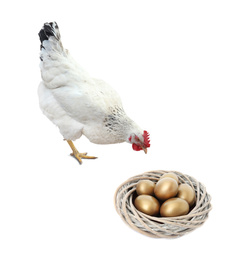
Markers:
77,155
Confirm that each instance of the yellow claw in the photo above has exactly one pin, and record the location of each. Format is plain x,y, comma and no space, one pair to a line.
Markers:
77,155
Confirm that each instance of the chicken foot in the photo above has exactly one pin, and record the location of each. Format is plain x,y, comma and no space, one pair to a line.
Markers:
77,155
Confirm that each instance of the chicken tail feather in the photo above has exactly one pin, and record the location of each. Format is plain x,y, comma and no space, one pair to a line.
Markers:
48,30
50,40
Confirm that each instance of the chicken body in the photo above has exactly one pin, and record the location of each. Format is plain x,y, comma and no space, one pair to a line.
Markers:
79,104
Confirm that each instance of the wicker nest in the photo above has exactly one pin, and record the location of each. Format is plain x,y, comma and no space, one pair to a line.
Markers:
161,227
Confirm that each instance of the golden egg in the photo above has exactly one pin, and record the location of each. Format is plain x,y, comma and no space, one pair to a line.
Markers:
170,175
187,193
147,204
166,188
145,187
174,207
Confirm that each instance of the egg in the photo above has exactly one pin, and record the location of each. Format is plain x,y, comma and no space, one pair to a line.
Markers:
174,207
187,193
170,175
145,187
166,188
147,204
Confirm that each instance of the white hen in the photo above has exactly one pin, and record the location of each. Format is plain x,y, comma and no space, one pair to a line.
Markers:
79,104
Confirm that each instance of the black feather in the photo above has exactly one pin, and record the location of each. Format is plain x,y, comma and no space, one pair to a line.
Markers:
47,31
42,35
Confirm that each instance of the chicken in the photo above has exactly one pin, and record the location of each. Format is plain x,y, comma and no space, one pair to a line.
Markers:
79,104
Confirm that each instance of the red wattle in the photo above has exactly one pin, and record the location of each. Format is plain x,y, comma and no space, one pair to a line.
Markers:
136,147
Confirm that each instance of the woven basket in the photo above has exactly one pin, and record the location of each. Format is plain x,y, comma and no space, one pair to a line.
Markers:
161,227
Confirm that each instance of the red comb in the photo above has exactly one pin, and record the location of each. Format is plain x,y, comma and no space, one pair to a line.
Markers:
146,139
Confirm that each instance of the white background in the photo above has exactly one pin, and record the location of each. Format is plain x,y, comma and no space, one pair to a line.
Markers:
175,65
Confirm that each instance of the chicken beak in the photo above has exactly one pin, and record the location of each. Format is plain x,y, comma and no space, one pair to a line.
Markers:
145,150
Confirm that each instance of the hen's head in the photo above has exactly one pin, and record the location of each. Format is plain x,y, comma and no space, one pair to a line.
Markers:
140,141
